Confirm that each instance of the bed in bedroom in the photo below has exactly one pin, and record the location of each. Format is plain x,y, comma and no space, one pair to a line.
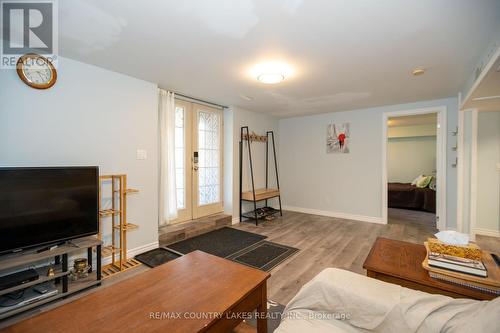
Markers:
408,196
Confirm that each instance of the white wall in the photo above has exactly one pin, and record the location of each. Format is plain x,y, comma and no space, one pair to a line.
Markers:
259,123
488,174
347,185
228,160
411,151
91,116
409,157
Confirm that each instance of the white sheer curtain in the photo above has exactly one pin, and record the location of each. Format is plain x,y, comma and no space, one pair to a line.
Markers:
168,197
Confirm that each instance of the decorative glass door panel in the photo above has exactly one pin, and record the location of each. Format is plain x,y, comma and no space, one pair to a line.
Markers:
183,172
209,158
207,178
180,153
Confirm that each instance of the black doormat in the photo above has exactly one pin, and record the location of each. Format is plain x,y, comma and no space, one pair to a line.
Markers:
156,257
264,255
222,242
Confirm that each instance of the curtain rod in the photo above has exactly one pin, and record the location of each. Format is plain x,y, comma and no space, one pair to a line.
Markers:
189,98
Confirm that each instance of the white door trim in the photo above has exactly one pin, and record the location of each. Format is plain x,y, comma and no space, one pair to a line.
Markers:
473,175
464,223
460,169
441,144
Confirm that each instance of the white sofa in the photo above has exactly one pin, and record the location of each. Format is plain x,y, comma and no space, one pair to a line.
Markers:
337,300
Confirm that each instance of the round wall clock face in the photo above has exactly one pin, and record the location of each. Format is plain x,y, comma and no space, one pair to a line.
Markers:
36,71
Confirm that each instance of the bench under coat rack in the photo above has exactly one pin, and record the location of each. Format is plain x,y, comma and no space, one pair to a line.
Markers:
264,194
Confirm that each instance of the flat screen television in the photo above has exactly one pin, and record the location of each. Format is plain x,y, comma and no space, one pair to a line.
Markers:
41,206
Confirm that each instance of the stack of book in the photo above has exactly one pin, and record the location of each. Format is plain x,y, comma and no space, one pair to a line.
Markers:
477,274
457,264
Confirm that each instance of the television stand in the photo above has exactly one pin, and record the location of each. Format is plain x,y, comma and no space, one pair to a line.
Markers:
57,259
51,247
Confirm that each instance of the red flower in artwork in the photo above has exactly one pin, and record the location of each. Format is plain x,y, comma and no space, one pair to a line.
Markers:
341,138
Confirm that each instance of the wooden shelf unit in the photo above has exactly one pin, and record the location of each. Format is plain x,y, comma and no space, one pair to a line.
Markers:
58,260
115,220
128,226
110,270
108,212
263,194
109,250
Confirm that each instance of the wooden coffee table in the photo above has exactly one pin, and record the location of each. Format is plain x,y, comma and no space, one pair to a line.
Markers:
400,263
194,293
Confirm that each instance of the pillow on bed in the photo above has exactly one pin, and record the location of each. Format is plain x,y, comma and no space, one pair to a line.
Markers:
424,181
432,184
416,180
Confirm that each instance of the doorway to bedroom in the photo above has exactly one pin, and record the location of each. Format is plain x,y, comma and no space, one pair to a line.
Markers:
413,169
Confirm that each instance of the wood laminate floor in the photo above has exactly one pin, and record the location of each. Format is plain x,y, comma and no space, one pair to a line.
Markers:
331,242
411,217
323,242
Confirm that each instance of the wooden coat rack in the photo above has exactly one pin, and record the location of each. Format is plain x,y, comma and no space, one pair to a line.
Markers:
264,194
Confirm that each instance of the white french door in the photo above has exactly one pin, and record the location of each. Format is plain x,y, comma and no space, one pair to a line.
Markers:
198,158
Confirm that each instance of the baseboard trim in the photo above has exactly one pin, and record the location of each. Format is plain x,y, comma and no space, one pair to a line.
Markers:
135,251
486,232
235,220
347,216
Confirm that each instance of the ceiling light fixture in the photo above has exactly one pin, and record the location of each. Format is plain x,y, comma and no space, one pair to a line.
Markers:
418,71
271,73
271,78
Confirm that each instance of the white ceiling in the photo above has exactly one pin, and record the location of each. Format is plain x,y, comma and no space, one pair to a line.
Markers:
347,54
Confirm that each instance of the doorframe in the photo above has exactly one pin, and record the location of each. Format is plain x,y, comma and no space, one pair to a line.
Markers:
441,161
190,117
473,174
473,214
465,223
460,169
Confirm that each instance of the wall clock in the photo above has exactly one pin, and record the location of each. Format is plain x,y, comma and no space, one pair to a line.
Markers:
36,71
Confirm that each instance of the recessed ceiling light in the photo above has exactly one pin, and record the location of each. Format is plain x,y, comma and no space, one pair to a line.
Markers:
418,71
270,78
272,72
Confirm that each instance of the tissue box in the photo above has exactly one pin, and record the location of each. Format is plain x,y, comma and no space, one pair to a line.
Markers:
470,251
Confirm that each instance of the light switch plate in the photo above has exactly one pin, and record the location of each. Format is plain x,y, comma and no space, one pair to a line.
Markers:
142,154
